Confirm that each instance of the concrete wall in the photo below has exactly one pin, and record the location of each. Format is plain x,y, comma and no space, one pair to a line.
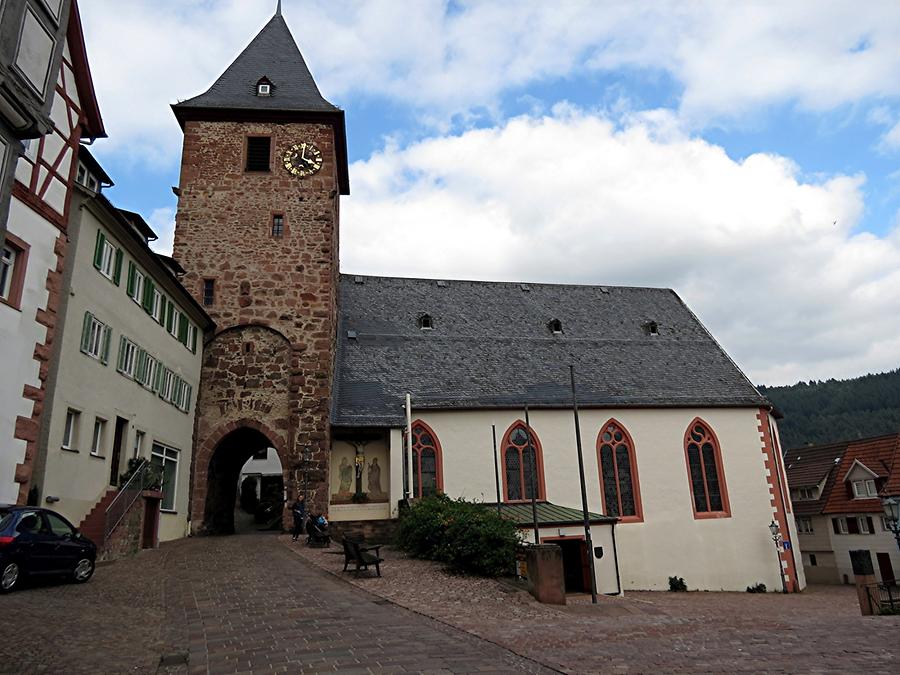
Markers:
19,333
84,384
726,553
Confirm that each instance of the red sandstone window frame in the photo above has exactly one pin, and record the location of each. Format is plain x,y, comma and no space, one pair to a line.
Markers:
284,225
725,511
247,138
20,265
415,487
539,462
638,516
203,291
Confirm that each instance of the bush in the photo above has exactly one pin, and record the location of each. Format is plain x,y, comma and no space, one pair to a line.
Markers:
677,585
466,535
757,588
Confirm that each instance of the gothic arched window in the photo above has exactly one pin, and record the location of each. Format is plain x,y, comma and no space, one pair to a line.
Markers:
523,470
618,473
704,463
426,449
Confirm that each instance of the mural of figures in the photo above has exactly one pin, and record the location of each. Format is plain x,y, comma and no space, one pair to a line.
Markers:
365,467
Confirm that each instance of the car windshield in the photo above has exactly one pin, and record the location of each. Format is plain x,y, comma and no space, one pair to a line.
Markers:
5,517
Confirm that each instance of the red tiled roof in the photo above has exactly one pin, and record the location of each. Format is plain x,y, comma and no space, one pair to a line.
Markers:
880,455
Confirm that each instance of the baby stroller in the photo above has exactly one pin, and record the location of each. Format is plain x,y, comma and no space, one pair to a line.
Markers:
317,532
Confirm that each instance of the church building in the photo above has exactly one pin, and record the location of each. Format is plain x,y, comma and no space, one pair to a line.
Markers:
377,390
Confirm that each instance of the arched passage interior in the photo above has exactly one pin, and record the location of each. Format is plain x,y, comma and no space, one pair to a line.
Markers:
224,473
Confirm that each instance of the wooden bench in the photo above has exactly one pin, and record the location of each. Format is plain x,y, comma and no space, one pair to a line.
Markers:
356,552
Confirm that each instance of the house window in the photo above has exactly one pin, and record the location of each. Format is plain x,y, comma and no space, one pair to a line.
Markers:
705,471
618,473
192,338
128,357
98,437
812,560
522,465
167,390
156,305
13,259
70,433
864,525
839,525
426,461
148,371
864,489
805,494
108,258
259,150
209,292
172,316
135,285
95,336
278,225
167,459
138,449
804,525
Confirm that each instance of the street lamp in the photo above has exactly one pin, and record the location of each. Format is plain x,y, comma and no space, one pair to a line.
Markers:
776,539
891,507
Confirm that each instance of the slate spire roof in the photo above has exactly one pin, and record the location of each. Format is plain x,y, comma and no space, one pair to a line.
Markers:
272,54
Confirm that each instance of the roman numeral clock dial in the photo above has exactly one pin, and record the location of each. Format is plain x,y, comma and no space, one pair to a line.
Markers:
303,159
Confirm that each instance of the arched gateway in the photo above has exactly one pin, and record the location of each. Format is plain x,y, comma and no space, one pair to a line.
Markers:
257,234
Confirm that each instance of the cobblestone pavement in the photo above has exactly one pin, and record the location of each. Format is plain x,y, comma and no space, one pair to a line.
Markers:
226,605
819,631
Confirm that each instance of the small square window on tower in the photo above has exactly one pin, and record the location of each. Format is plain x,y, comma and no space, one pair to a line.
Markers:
259,151
209,292
278,225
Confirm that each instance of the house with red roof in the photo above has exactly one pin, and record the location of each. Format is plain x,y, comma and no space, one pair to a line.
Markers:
836,491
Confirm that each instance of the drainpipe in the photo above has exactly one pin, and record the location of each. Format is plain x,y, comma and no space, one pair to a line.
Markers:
408,460
616,561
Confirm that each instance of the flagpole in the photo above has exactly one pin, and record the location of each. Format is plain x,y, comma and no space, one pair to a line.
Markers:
584,504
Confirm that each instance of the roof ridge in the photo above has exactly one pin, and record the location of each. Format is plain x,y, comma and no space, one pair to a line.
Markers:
348,276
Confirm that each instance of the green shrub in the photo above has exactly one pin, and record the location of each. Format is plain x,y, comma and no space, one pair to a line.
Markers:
677,585
466,535
757,588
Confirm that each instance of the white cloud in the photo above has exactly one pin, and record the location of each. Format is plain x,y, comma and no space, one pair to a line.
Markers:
163,223
730,58
571,198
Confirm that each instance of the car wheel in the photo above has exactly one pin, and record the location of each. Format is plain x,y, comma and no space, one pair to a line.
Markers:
84,570
9,578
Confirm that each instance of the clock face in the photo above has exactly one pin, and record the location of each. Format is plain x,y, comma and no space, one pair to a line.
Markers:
303,159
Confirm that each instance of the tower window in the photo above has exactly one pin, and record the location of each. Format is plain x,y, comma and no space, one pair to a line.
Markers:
259,151
426,322
278,225
209,292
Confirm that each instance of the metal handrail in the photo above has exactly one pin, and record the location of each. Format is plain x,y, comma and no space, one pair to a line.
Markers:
884,596
128,494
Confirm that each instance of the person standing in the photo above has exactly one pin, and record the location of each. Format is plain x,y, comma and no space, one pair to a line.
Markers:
298,511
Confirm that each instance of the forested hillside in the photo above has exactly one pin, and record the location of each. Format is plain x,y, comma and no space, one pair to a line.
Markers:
821,412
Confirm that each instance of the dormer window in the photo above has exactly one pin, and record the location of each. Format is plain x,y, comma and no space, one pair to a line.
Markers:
555,326
651,328
264,87
426,322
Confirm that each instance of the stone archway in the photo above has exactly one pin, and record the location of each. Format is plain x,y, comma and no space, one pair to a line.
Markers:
233,448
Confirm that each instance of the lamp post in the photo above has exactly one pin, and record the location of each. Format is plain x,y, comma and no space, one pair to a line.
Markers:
776,539
891,507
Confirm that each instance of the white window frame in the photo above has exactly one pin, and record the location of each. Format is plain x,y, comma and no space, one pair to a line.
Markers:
167,390
842,525
884,524
129,357
98,437
176,319
804,525
70,430
264,89
166,454
191,336
871,491
138,288
151,366
156,304
108,259
7,270
138,449
863,525
95,339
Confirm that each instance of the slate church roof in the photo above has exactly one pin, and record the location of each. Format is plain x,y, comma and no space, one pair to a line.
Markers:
491,346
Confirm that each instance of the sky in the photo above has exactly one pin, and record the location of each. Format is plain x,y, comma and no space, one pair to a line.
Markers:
743,154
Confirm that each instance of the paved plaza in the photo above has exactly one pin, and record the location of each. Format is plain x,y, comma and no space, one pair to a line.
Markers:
256,603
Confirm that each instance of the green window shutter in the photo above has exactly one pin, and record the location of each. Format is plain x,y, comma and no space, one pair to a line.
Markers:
117,269
148,296
170,316
182,328
120,361
139,366
163,306
129,286
194,340
187,398
98,249
160,371
86,331
104,353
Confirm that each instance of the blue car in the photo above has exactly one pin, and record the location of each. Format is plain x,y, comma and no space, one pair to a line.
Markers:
36,542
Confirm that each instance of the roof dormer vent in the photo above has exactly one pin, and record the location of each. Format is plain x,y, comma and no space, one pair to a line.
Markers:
651,328
442,284
264,87
555,326
425,322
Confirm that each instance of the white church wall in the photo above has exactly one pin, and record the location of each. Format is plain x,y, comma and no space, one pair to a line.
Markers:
727,553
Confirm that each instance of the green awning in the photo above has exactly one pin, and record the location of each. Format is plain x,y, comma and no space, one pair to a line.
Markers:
549,515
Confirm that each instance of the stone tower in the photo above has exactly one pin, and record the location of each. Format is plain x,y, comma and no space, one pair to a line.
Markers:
263,167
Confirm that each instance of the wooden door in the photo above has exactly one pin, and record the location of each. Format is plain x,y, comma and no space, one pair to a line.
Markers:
884,565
